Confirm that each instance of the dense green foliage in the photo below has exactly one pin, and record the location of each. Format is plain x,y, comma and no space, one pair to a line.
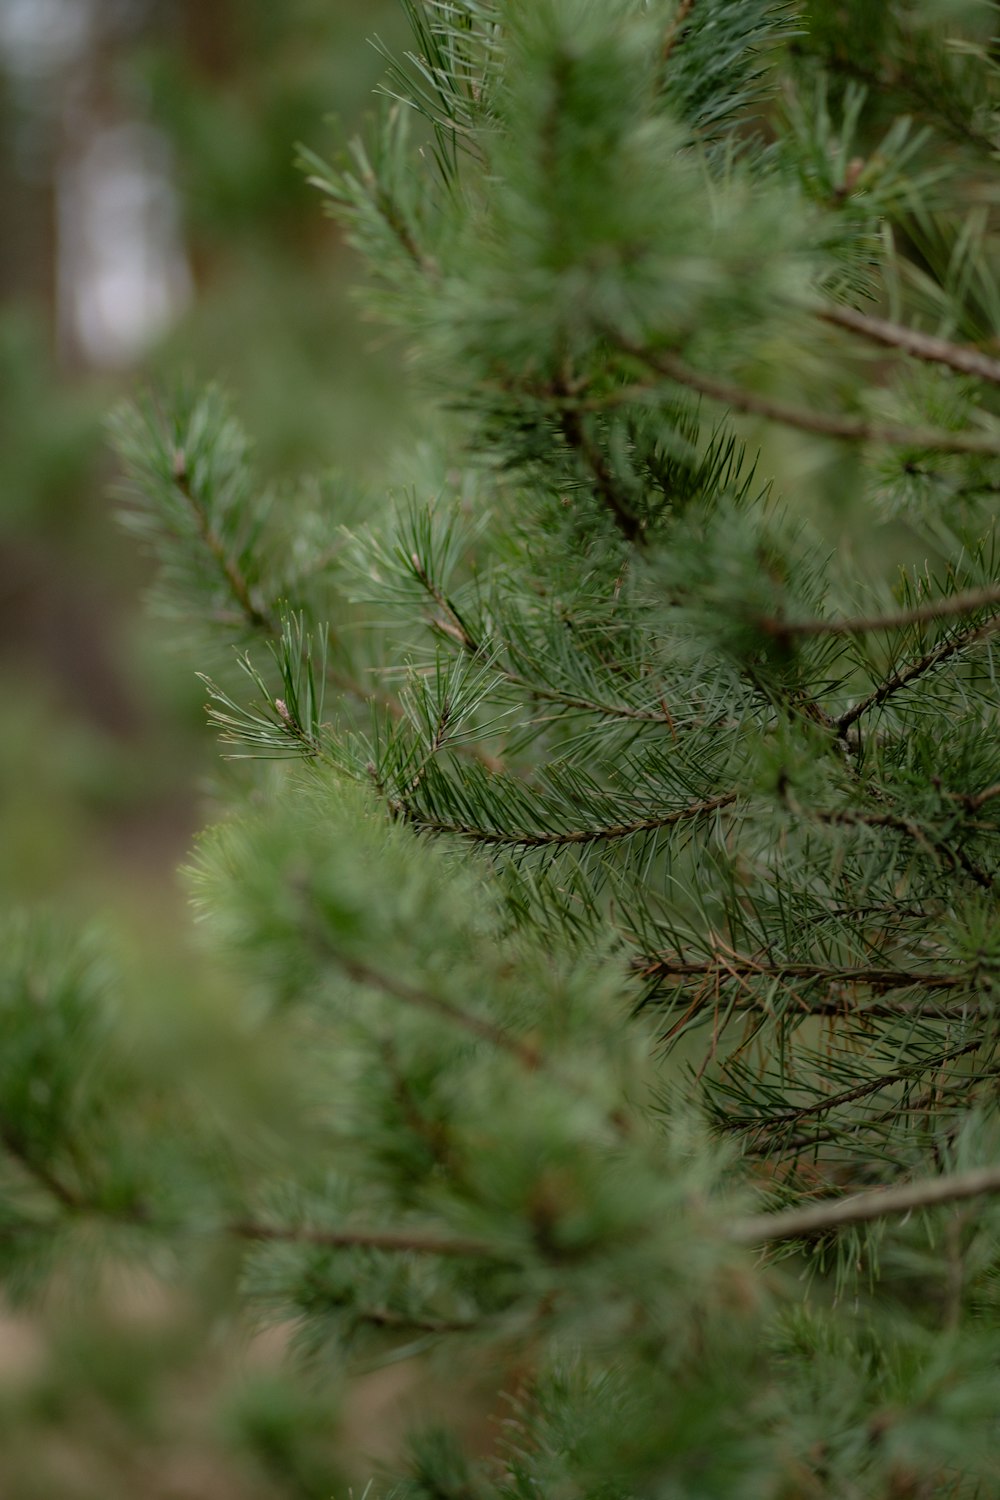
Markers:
618,946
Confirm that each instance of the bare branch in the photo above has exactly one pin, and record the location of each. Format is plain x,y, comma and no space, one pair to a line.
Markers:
934,609
922,346
860,1208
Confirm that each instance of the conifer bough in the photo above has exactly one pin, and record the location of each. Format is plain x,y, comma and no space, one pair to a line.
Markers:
624,922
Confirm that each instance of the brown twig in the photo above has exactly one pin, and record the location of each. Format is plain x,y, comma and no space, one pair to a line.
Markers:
860,1208
923,346
672,35
823,424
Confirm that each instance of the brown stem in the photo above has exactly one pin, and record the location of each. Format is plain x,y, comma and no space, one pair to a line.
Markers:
860,1208
936,609
673,31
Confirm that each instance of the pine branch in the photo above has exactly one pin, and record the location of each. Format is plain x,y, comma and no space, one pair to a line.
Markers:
548,838
395,219
927,105
914,670
249,609
742,1123
860,1208
940,1098
665,966
923,346
66,1196
739,970
451,624
254,613
384,1317
432,1133
823,424
403,1241
424,999
975,800
848,817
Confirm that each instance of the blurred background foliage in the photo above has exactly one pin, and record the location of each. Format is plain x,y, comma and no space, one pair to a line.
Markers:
155,229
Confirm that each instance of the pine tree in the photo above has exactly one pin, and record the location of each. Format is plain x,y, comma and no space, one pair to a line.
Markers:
622,925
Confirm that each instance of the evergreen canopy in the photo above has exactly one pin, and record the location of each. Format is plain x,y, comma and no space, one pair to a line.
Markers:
624,927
